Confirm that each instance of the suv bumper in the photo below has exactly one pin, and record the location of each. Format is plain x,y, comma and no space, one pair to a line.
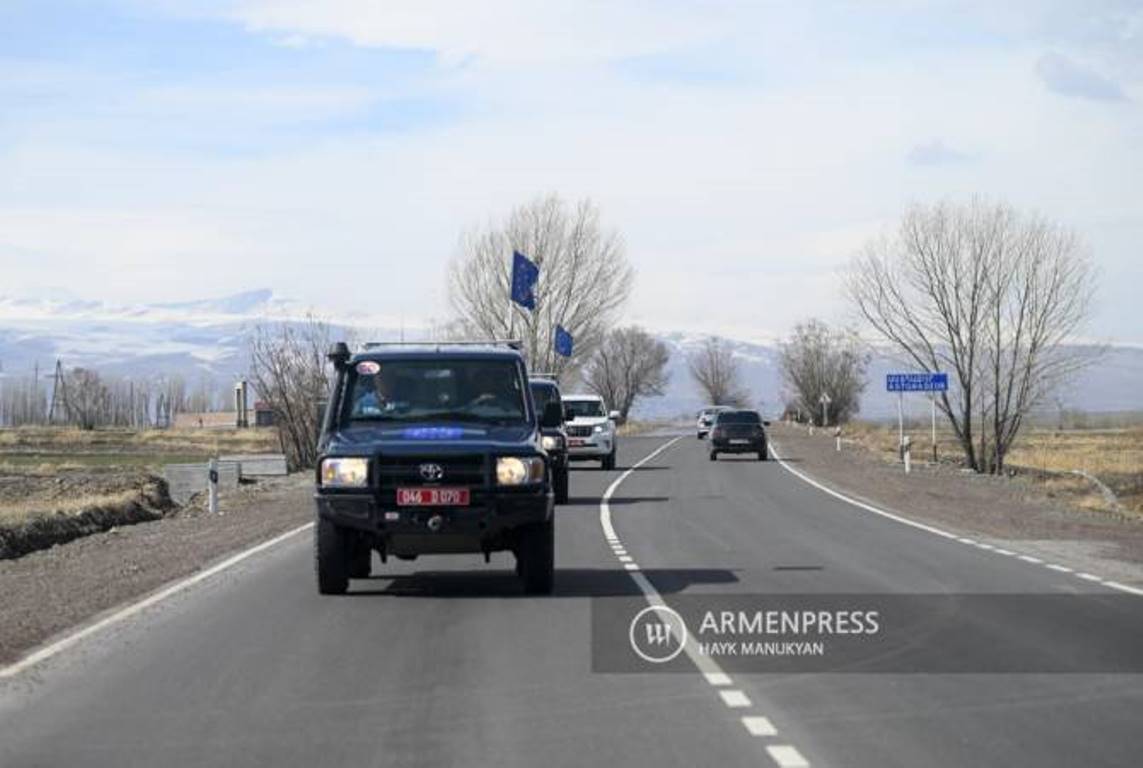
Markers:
731,445
594,447
488,526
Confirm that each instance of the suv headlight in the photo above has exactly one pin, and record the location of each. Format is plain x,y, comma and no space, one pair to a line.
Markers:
344,473
552,442
599,428
517,470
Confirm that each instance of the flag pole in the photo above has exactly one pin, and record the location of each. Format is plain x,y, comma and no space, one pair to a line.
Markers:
511,272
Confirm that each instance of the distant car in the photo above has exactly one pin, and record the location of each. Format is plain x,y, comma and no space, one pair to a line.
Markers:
706,419
591,429
554,439
739,431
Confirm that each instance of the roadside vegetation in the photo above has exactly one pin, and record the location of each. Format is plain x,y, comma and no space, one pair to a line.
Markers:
1049,456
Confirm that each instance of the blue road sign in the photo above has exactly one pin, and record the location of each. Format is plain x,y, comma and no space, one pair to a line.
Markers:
917,382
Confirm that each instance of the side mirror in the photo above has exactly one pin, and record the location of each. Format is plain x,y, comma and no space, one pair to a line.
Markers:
614,415
569,414
552,417
339,355
765,423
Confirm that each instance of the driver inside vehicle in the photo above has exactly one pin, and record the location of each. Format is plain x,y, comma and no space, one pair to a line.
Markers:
494,388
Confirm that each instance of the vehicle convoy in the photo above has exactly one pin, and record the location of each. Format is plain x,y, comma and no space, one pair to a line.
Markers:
590,429
706,418
739,431
433,449
546,390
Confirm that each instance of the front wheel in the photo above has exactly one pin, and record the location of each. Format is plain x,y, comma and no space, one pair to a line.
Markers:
764,454
609,459
714,455
560,485
331,556
536,558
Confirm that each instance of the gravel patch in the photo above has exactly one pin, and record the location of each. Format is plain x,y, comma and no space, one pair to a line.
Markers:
49,591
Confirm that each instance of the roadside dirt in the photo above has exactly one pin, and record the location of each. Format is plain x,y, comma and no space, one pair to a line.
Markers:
46,592
1005,511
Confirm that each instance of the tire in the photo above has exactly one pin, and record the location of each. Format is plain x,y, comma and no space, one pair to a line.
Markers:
536,558
714,455
560,485
361,561
609,459
331,558
764,454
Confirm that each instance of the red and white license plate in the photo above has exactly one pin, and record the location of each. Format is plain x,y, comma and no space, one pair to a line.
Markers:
432,497
575,441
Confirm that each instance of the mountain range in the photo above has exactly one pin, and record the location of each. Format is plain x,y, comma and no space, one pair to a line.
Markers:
208,338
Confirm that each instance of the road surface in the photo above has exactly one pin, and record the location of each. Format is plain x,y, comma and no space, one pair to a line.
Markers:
443,661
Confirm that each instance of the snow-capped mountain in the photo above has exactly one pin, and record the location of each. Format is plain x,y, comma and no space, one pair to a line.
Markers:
210,337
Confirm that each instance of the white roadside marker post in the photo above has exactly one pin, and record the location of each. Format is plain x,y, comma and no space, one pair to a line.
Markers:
837,434
905,446
212,483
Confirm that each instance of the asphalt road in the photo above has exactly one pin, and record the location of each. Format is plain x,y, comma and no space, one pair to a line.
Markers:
443,661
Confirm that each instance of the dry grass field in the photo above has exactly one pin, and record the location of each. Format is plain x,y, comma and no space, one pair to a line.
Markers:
53,471
1112,454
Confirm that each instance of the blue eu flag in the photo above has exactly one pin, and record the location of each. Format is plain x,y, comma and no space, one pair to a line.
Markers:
563,341
525,273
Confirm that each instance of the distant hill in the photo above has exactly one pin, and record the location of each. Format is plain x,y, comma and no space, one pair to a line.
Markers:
209,338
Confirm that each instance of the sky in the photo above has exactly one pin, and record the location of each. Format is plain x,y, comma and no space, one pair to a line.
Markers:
335,151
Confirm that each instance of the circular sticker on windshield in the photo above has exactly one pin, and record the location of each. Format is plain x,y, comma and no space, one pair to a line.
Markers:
368,367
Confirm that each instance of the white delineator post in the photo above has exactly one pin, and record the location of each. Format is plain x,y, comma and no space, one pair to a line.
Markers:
900,424
212,482
837,434
905,448
933,404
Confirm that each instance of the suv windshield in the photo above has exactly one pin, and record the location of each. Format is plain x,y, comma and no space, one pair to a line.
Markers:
436,390
591,409
544,393
739,417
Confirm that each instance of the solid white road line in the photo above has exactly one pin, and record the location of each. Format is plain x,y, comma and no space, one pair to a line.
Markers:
945,534
130,610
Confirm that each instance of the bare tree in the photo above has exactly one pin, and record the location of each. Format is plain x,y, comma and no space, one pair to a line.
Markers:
584,280
715,370
88,399
989,295
628,365
818,360
289,370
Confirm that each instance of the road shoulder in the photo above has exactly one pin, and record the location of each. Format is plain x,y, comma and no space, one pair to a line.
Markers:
1004,513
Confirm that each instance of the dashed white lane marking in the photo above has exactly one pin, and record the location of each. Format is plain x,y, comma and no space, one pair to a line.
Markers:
734,698
946,535
127,612
626,559
787,756
759,726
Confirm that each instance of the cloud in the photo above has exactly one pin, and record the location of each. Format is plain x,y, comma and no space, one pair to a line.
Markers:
1067,78
936,152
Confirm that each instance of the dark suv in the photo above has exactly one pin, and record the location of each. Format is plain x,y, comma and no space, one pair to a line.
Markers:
739,432
432,449
554,439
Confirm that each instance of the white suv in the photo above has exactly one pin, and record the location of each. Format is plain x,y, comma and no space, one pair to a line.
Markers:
590,429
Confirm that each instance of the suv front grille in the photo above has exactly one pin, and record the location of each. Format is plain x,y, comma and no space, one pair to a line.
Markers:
466,470
579,431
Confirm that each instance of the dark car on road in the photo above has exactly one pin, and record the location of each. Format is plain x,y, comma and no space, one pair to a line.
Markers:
739,431
554,439
433,449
